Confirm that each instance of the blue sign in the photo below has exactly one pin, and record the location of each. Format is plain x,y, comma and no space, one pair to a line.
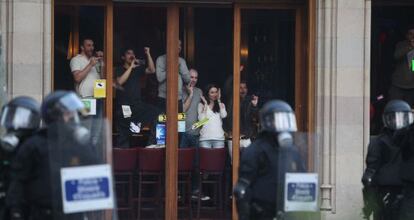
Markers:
87,189
301,192
160,134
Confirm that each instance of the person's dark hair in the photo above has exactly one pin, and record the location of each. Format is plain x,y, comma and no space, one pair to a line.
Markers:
216,106
85,39
243,81
125,50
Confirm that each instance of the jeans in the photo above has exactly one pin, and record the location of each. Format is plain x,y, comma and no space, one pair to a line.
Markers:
189,140
212,144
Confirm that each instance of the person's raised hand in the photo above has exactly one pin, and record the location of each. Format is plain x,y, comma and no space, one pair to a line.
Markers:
93,61
146,50
134,63
255,100
204,100
219,95
190,89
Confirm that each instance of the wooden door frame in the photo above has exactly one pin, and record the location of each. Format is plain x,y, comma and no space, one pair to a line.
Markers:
171,159
236,101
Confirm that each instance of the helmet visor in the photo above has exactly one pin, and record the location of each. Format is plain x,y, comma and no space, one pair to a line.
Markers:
285,122
13,117
71,102
398,120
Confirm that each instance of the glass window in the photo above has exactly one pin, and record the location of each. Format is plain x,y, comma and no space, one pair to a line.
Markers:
207,33
140,92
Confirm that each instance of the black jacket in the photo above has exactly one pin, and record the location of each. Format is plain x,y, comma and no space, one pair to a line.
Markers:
260,166
405,139
6,159
38,158
384,158
30,174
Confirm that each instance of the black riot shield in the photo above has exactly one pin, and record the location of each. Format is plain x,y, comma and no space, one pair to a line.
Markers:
81,175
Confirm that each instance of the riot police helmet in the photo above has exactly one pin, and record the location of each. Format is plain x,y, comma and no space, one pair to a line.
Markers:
62,106
21,114
397,115
277,116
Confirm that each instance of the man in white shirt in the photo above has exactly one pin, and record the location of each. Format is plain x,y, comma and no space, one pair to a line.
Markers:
86,67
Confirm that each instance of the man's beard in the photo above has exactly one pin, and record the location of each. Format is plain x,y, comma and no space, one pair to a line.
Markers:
89,53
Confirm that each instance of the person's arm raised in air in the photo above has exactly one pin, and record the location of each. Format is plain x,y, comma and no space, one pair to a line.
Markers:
187,101
183,70
151,66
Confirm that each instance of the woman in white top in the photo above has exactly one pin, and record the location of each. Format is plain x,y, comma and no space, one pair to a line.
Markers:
212,133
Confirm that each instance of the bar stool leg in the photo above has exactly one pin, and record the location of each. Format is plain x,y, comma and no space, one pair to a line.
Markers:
200,189
220,195
130,206
139,196
190,210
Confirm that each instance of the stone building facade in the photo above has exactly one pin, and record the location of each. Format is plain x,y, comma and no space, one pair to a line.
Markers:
342,85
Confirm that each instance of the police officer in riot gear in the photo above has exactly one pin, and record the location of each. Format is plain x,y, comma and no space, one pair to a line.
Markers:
20,118
259,189
382,183
30,180
404,138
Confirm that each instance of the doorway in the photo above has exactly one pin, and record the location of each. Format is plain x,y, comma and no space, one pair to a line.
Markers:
389,25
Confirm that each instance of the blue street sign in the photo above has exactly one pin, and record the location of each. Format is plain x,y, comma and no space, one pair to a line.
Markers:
301,192
87,189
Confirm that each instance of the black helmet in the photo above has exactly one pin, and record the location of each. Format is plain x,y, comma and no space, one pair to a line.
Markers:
397,114
21,113
61,106
277,116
